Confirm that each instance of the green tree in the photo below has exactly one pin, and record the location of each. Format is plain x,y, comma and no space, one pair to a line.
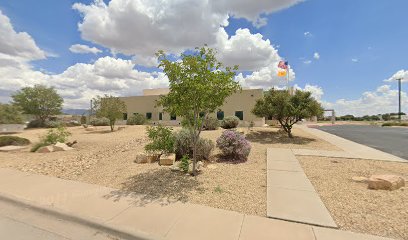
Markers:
286,108
10,114
40,101
109,107
199,84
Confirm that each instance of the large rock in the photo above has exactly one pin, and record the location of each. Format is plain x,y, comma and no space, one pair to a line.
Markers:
61,147
360,179
46,149
385,182
152,158
90,128
11,148
167,159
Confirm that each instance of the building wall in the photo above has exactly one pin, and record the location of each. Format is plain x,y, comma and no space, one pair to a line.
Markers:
240,101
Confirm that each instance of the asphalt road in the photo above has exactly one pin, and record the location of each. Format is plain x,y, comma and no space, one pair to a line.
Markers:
393,140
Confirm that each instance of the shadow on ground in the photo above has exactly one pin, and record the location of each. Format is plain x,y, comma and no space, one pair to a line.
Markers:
161,185
271,137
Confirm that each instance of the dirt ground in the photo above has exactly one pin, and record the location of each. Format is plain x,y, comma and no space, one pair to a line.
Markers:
352,205
106,158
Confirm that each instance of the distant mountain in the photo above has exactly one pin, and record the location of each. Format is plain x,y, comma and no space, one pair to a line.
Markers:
75,111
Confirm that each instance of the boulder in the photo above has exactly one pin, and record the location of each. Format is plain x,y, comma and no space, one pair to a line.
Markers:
11,148
46,149
151,158
167,159
141,158
61,147
385,182
90,128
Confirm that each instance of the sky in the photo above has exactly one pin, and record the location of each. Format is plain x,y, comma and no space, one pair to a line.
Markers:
348,53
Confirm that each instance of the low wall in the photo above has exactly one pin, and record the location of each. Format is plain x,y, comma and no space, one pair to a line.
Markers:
11,128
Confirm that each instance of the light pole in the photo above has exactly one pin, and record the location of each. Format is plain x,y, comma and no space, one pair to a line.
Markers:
399,99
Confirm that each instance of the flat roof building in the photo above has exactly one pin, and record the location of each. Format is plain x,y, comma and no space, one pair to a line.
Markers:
239,104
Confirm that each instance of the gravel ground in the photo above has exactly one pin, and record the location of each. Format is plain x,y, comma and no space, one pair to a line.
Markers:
352,205
106,158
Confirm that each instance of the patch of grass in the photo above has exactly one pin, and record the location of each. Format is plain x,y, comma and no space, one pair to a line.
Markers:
218,189
389,124
13,141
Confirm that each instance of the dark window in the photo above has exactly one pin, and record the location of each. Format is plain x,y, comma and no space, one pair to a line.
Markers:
173,117
220,115
124,116
149,115
160,116
202,114
240,115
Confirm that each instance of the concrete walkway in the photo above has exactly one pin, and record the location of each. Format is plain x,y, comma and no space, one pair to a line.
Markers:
291,196
132,216
353,149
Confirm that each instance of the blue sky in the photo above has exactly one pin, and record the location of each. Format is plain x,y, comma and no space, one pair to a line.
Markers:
360,43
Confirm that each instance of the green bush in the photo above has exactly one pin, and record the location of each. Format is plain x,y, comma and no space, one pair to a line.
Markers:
161,140
233,146
53,124
230,122
37,123
184,145
53,136
10,114
389,124
103,121
83,119
211,123
184,163
13,141
136,119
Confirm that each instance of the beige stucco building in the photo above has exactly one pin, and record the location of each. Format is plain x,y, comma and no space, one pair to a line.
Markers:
239,104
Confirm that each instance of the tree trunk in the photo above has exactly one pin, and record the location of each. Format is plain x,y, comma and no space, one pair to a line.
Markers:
194,173
112,126
289,130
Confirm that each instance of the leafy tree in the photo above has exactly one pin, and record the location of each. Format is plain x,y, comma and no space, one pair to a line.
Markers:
109,107
199,85
286,108
10,114
40,101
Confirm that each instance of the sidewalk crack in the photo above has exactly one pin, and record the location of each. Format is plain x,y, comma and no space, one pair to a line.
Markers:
242,224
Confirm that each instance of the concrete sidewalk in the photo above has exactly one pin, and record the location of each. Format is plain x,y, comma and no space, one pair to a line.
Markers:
352,149
132,216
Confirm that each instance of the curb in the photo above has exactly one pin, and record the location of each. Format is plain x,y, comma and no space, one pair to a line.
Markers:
97,225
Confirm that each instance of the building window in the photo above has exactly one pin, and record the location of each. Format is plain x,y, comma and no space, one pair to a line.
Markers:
149,115
173,117
240,115
124,116
160,116
220,115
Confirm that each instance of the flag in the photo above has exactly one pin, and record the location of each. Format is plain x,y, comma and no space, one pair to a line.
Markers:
281,73
283,65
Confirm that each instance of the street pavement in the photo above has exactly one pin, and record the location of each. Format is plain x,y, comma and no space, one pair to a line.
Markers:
393,140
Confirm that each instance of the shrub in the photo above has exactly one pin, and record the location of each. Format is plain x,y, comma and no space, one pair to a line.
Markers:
185,163
136,119
161,140
234,145
10,114
211,123
83,119
13,140
53,136
389,124
230,122
100,121
184,145
37,123
53,124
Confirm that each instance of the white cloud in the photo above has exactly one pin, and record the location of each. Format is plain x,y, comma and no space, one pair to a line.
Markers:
80,48
401,74
316,56
307,34
17,45
307,62
252,10
354,60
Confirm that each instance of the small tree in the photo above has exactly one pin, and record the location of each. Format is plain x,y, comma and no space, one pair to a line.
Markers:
109,107
40,101
286,108
10,114
199,85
